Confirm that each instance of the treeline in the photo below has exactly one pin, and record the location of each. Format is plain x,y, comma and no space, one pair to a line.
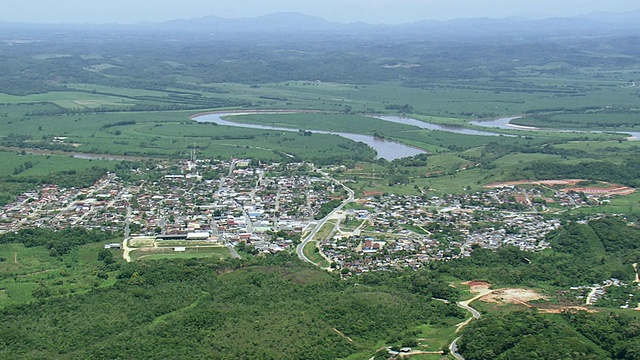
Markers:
411,161
27,141
59,242
495,150
119,123
136,108
355,152
326,208
64,179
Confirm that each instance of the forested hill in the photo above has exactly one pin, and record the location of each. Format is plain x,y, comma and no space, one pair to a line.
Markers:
267,308
575,335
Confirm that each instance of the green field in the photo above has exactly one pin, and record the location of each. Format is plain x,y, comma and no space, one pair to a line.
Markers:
41,165
190,252
24,271
311,252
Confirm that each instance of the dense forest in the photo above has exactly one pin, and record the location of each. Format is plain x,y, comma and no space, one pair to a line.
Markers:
529,335
268,308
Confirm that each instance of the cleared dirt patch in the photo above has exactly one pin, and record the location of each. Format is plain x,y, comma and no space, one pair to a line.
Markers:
612,189
480,287
513,296
601,189
540,182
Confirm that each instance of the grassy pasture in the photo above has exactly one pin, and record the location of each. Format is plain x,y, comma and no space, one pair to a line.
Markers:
25,269
311,254
65,99
173,134
46,164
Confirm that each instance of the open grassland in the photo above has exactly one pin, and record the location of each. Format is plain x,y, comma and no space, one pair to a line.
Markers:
169,134
312,253
28,272
190,252
35,119
69,100
627,204
41,165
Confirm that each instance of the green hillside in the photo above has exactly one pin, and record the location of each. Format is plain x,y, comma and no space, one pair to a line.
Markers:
271,308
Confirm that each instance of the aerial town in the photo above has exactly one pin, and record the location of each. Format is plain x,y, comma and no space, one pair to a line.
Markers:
270,208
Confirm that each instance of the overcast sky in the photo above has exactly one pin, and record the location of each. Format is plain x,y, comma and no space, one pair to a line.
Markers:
371,11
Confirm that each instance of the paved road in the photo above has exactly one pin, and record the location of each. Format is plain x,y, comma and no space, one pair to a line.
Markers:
234,253
453,348
474,312
475,315
300,248
321,222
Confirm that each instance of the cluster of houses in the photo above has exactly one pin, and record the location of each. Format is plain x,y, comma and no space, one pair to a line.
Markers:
245,204
393,231
228,201
236,201
101,206
591,294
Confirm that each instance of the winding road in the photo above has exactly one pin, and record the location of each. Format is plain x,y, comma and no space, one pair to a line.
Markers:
475,314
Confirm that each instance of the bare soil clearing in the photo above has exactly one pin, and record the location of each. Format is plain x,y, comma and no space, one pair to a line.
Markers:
513,296
604,188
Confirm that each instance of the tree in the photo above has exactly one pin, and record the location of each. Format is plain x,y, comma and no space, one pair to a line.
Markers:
106,256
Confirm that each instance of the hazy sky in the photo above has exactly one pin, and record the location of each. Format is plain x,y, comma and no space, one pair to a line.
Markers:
371,11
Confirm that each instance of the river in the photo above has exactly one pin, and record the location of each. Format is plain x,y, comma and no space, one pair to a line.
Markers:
505,123
389,150
430,126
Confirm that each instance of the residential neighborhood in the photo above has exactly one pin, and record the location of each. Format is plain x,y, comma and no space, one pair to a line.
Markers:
270,208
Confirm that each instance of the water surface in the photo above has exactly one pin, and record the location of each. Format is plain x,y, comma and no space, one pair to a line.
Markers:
386,149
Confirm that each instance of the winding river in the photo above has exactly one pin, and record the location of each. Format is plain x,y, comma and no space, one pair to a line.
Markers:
389,150
430,126
505,124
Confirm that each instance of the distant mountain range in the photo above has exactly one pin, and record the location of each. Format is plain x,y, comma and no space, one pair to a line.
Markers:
600,23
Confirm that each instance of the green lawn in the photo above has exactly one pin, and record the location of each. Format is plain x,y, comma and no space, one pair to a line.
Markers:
190,252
